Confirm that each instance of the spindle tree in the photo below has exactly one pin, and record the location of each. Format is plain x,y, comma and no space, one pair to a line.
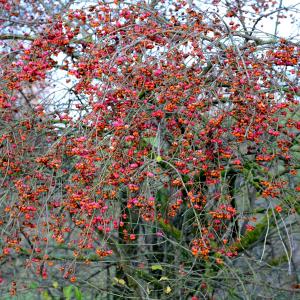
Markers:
148,150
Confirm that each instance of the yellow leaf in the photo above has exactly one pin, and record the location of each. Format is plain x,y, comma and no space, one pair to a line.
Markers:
163,278
156,267
168,290
158,158
122,282
119,281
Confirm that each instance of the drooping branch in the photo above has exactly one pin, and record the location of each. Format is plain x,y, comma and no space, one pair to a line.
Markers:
24,37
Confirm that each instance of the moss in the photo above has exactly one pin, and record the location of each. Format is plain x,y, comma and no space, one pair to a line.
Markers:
170,229
253,236
278,261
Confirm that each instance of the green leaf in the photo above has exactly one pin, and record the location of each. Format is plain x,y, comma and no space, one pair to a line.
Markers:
68,292
33,285
46,296
78,294
153,141
156,267
142,94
